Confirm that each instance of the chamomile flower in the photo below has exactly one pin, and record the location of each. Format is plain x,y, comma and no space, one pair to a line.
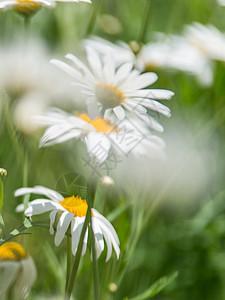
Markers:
26,79
221,2
29,7
178,54
17,271
100,135
72,212
168,52
121,52
117,90
209,41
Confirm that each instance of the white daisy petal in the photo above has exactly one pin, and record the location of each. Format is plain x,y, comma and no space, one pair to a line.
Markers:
145,80
62,226
58,134
8,271
76,228
94,62
98,146
116,247
85,243
122,73
119,112
26,278
39,190
84,71
41,206
52,216
109,68
99,242
66,68
106,222
109,246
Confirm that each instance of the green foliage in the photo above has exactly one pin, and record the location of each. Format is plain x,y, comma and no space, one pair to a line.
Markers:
187,231
156,287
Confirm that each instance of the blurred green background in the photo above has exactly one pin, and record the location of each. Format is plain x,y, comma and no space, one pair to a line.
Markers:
186,229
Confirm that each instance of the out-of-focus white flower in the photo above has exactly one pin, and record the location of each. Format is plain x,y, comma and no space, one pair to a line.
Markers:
72,211
32,83
100,135
166,52
29,7
207,39
17,271
25,69
221,2
116,90
121,52
176,53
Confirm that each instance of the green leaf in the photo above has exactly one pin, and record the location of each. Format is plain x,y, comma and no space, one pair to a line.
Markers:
117,212
156,287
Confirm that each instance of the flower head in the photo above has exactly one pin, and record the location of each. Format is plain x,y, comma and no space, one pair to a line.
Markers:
172,52
117,90
100,135
72,212
29,7
221,2
17,270
209,41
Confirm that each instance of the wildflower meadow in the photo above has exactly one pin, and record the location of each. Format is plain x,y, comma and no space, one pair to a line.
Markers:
112,149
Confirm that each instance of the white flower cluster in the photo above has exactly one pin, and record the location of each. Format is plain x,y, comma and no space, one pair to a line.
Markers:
193,52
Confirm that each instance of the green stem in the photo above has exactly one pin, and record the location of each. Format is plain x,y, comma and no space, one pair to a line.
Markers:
145,22
95,11
19,230
69,259
94,264
14,233
26,27
76,260
11,130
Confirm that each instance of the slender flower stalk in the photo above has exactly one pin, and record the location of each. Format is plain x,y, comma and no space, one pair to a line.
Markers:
96,8
69,259
145,23
94,264
76,261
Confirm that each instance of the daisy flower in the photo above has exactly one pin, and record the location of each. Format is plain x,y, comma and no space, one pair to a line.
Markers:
178,54
221,2
116,90
171,52
17,271
29,7
27,77
208,40
100,135
72,212
121,52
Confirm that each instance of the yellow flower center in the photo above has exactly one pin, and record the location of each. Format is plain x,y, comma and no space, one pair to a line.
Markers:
75,205
109,95
27,7
100,124
12,251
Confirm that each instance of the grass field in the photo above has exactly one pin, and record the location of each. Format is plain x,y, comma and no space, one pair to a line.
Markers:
169,215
